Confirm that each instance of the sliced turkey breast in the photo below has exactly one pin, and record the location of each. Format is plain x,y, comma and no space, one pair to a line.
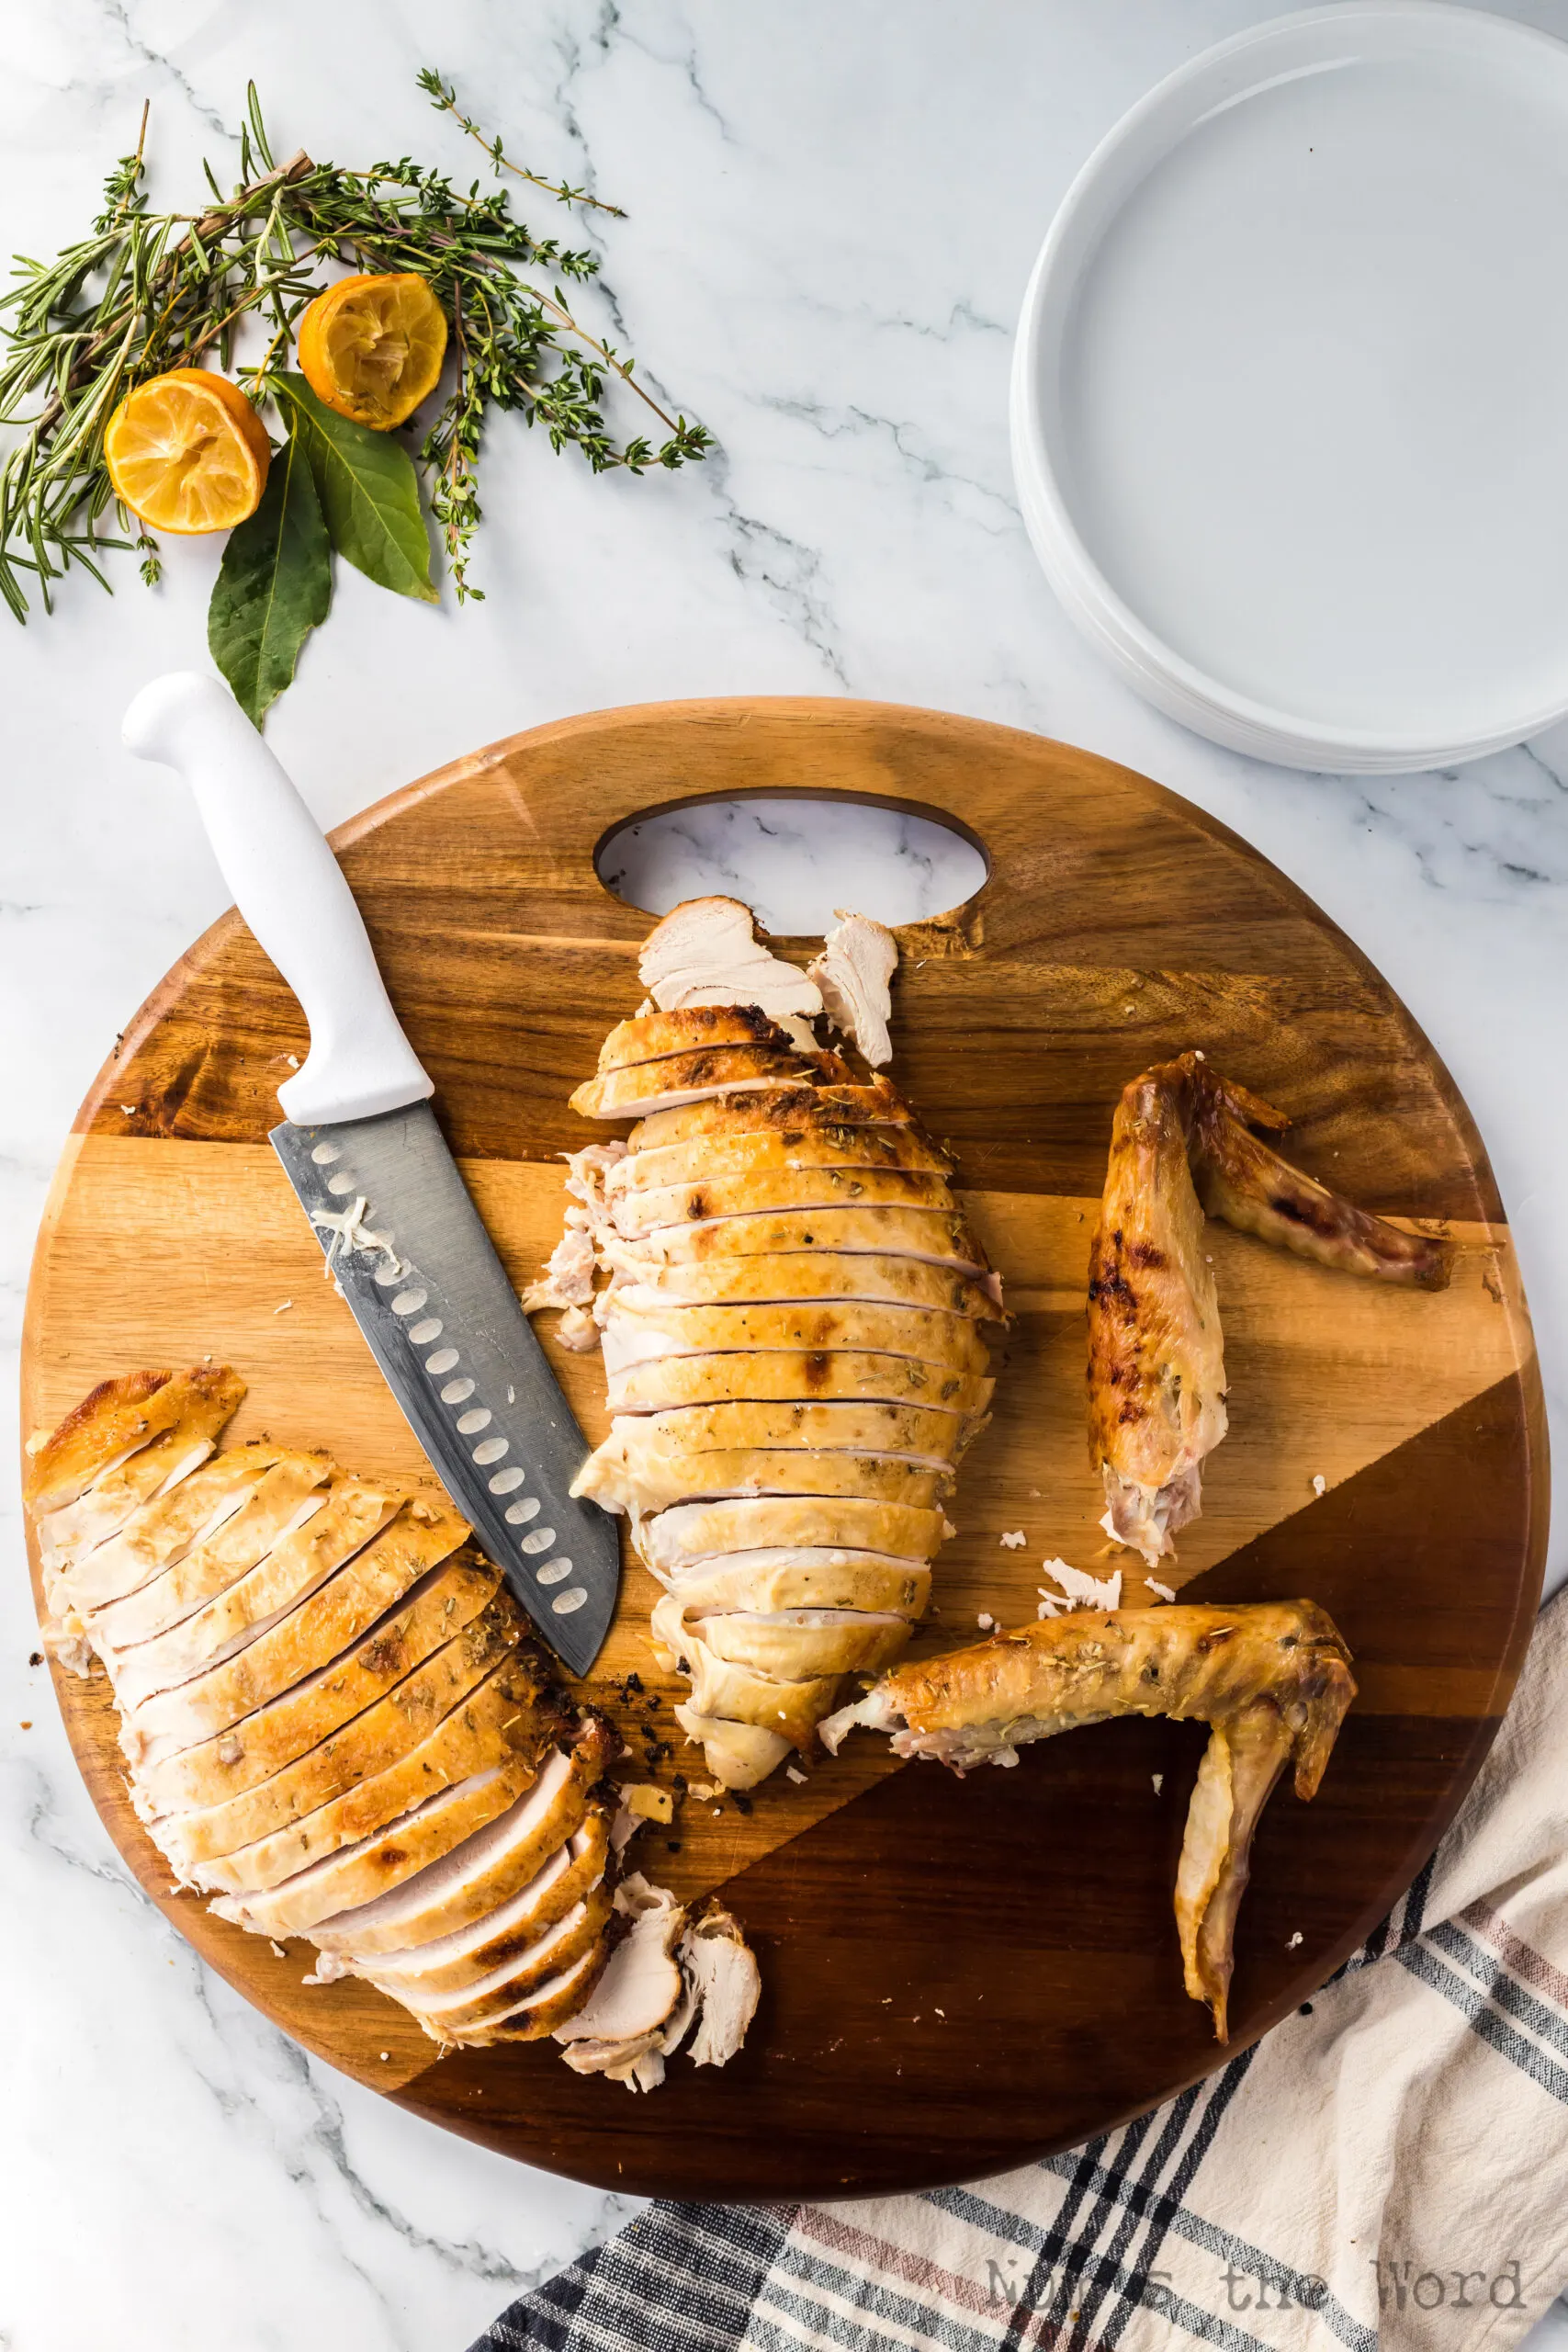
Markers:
488,1869
371,1743
682,1079
440,1606
932,1237
739,1694
661,1328
693,1029
554,2002
116,1420
512,1714
738,1755
328,1623
825,1185
459,1961
192,1408
784,1375
829,1106
354,1512
803,1274
777,1150
707,952
642,1477
780,1577
359,1873
909,1432
253,1511
451,2015
164,1529
641,2003
677,1539
791,1644
858,960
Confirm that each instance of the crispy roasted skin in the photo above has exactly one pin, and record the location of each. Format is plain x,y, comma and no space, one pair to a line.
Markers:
1156,1373
113,1417
621,1093
773,1110
779,1191
779,1374
1271,1678
932,1236
759,1151
1181,1143
691,1029
945,1339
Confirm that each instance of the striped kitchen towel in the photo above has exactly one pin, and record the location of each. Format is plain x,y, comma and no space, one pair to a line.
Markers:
1387,2170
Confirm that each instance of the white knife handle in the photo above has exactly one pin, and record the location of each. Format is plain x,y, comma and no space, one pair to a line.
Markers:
291,891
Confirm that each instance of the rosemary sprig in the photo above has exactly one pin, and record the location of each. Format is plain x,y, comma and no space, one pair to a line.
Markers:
147,291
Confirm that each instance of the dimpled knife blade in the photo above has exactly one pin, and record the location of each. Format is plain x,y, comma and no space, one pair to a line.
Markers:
425,1286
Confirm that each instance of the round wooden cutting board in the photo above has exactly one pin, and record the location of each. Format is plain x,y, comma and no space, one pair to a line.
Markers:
958,1975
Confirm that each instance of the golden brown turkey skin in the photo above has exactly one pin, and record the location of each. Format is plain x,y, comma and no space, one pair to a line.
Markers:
1182,1143
1272,1680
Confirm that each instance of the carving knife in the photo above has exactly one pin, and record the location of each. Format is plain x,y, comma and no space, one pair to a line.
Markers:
362,1149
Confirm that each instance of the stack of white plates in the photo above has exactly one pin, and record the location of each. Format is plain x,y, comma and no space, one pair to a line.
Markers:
1289,398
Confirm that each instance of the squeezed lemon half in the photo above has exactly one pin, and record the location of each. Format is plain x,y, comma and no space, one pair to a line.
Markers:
187,452
371,349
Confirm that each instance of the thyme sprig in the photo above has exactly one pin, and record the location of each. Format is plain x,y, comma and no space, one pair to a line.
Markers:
443,99
148,291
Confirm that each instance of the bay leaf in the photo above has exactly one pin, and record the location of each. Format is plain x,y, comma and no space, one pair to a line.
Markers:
369,493
274,586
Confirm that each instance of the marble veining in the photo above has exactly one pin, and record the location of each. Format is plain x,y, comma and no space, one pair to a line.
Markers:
832,212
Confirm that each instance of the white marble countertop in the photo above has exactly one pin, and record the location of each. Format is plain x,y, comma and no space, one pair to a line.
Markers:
834,209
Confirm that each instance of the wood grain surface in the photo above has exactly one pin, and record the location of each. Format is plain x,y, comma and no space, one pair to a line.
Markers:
958,1975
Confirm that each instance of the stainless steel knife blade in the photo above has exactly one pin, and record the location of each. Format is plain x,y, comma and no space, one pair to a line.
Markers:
425,1286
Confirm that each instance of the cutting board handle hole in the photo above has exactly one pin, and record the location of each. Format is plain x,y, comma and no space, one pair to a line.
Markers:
794,858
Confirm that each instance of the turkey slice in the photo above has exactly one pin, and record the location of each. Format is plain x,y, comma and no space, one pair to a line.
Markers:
706,951
649,1478
510,1715
859,958
361,1872
682,1078
165,1529
370,1743
741,1695
790,1644
114,1421
654,1036
250,1518
781,1375
829,1106
781,1577
908,1432
640,1995
328,1623
660,1329
738,1755
250,1751
450,2014
457,1962
198,1406
723,1974
802,1274
754,1192
557,1999
931,1236
354,1512
488,1870
773,1149
695,1531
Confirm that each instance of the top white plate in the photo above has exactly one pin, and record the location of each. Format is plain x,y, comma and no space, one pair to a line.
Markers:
1289,398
